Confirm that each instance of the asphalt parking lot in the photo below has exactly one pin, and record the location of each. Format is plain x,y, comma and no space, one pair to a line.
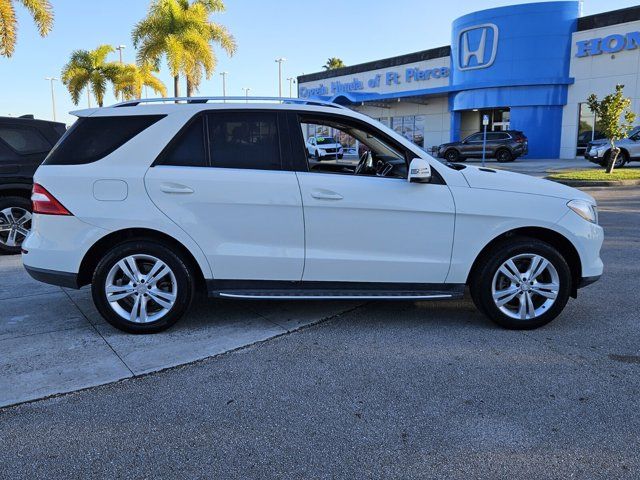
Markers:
381,390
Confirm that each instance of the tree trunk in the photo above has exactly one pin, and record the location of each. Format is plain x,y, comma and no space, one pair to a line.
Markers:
189,88
613,156
176,86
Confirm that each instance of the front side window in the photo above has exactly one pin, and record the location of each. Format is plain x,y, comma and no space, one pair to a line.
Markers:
24,140
349,148
244,140
93,138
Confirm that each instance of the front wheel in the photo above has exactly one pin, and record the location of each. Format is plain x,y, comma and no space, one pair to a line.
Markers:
142,287
522,284
452,155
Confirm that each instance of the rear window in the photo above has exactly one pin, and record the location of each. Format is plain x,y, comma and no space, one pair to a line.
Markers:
93,138
24,140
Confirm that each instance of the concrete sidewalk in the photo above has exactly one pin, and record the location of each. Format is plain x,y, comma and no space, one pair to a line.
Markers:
53,340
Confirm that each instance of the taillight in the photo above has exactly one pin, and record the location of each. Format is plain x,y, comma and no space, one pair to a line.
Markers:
520,139
46,204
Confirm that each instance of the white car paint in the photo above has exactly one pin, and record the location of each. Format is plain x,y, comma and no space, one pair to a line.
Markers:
253,224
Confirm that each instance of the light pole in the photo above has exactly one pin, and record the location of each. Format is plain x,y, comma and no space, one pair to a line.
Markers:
246,93
120,48
224,84
279,62
291,81
53,97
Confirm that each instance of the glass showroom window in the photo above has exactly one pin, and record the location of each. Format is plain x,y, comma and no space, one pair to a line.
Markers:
587,128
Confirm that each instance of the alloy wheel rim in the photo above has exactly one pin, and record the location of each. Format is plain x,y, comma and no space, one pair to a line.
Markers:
15,224
141,288
525,286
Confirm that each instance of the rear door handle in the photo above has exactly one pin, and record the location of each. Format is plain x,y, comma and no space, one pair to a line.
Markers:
175,188
322,194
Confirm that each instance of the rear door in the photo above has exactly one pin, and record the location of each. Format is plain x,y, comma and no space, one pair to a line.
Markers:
221,180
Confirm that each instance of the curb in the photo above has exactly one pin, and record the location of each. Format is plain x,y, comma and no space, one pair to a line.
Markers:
595,183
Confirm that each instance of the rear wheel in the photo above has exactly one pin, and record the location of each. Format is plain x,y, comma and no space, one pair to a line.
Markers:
142,287
503,155
15,223
522,284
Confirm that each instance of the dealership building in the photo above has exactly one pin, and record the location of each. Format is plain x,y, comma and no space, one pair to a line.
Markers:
527,67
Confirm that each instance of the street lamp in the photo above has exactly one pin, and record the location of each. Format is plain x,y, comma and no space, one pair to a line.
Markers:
279,62
246,93
224,83
291,81
53,97
120,48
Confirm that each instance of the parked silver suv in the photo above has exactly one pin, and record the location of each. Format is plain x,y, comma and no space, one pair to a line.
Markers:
598,151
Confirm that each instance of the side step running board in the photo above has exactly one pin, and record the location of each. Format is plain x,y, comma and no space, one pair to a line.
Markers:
306,294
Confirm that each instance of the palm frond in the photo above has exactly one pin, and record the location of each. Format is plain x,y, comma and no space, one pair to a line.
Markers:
42,14
7,28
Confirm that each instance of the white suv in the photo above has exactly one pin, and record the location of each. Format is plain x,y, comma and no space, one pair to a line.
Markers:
151,202
320,147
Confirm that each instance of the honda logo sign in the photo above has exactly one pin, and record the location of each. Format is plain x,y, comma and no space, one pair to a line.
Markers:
478,46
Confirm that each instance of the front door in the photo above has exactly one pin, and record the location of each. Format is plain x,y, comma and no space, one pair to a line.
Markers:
221,181
364,222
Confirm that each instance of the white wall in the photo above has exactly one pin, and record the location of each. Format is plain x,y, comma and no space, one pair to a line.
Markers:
599,74
435,110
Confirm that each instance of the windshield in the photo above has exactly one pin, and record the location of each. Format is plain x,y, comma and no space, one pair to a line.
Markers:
325,140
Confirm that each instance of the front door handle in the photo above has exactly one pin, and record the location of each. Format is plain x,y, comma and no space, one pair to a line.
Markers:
175,188
322,194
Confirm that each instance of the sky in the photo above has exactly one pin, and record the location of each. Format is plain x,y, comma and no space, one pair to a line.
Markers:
305,33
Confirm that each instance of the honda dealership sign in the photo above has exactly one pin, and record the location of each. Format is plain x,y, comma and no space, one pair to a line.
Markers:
478,46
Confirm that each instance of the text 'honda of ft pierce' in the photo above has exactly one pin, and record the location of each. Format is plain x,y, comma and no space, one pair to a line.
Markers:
151,202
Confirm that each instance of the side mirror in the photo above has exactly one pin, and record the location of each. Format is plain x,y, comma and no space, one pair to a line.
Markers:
419,171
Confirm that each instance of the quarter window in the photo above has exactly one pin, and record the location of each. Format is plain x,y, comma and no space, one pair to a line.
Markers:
244,140
24,140
93,138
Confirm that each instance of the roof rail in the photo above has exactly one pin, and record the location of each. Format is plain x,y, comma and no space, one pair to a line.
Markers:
302,101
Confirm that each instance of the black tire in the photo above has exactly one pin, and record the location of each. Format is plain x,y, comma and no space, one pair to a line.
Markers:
452,155
184,280
317,156
483,277
621,161
16,204
340,157
503,156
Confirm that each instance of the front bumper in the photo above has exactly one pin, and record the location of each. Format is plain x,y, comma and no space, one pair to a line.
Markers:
584,281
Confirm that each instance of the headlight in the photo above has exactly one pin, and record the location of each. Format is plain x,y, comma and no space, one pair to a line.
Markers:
586,210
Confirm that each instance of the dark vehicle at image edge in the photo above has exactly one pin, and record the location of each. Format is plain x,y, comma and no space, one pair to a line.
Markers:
504,146
24,143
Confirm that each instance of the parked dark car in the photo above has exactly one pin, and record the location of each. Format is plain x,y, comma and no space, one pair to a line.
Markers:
584,138
24,143
504,146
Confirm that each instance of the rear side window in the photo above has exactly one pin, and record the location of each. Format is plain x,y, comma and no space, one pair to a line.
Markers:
93,138
188,147
497,136
244,140
24,140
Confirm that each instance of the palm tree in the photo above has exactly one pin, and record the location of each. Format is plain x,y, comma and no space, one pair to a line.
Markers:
89,69
182,32
133,78
333,63
41,12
